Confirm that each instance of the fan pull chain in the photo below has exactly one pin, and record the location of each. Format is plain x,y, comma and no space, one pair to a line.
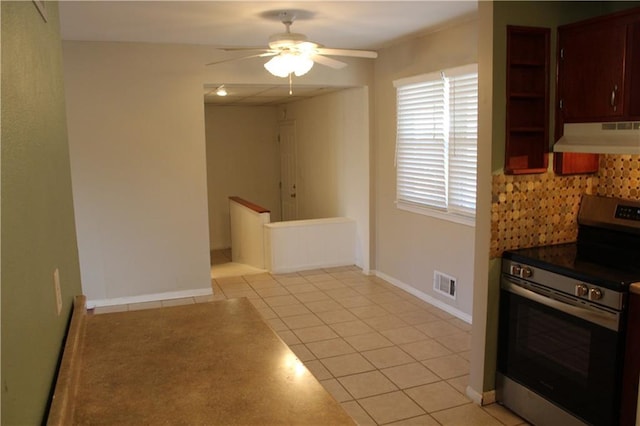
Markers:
290,84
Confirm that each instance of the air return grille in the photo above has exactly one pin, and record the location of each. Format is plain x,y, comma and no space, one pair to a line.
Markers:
444,284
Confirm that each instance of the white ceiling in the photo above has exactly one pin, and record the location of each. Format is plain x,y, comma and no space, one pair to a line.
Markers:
337,24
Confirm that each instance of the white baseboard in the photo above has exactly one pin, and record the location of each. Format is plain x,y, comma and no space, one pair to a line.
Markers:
484,398
149,297
308,267
424,296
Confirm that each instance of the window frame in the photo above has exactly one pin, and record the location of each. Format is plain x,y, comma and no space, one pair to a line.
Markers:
447,212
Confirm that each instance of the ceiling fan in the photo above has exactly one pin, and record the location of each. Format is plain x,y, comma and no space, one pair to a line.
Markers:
292,53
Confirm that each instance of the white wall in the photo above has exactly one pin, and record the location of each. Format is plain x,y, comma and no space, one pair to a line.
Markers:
242,160
409,246
248,234
299,245
136,132
332,136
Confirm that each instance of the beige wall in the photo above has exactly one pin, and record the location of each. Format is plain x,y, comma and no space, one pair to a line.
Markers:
242,160
137,140
38,232
136,135
332,137
410,246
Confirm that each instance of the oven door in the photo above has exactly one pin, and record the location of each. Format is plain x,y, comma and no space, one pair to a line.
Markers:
568,354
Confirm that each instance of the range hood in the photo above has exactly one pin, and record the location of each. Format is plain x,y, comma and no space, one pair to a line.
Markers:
600,138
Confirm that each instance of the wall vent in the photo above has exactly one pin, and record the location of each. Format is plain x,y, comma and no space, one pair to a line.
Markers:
444,284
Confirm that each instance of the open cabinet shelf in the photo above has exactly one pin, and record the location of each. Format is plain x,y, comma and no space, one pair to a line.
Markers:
527,118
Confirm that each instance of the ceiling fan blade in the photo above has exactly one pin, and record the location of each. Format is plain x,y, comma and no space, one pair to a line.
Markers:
348,52
233,49
258,55
330,62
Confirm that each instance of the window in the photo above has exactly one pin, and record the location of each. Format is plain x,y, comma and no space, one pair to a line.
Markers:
436,147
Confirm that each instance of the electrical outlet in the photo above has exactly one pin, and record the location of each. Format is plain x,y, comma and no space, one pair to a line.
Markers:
56,285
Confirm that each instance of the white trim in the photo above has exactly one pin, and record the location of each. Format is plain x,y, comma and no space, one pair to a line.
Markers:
462,70
484,398
149,297
309,266
436,142
420,78
426,211
449,72
424,296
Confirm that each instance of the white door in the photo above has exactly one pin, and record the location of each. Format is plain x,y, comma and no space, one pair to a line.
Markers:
288,167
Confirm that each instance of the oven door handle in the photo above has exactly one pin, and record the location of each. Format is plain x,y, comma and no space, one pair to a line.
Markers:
605,319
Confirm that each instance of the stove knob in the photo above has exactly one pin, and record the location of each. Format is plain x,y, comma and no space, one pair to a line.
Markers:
581,290
516,270
526,272
595,294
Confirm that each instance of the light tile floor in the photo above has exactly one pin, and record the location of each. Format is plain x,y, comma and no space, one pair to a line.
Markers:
385,355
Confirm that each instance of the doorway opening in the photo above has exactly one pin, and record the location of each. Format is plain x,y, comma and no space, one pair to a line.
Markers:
318,169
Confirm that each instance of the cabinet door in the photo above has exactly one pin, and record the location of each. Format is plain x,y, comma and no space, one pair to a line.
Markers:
632,100
591,71
570,163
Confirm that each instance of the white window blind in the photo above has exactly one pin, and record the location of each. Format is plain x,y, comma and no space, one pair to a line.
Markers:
436,152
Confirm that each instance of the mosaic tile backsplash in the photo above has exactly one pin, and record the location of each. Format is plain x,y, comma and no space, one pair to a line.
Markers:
619,176
542,209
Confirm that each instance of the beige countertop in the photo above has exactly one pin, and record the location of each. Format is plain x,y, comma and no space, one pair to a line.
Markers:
205,364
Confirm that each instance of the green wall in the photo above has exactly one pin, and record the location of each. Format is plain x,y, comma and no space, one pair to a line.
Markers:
37,224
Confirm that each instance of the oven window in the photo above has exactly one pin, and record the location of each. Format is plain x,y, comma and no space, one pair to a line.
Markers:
560,344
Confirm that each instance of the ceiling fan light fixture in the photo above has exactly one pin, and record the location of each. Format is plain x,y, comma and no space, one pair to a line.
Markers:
287,63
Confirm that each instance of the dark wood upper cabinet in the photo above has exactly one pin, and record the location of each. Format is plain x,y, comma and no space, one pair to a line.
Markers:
598,78
599,69
527,113
633,70
591,72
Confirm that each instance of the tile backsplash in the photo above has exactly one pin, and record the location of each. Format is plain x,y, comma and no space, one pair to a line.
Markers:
542,209
619,176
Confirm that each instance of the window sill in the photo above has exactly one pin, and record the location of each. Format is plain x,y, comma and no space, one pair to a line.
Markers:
425,211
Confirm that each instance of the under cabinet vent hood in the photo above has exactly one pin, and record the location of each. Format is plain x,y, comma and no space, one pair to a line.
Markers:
600,138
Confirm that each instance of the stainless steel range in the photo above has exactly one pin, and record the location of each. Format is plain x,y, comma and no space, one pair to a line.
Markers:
562,319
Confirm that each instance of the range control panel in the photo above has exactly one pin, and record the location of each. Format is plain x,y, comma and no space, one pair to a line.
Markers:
610,213
529,276
627,212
